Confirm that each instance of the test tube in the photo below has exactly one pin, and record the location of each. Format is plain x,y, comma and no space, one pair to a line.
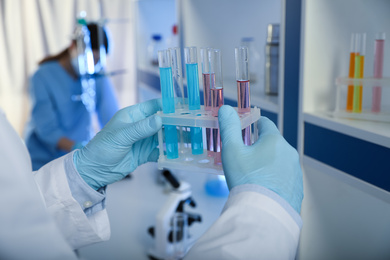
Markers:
177,75
243,88
208,79
378,71
217,101
191,61
168,102
178,90
351,74
360,51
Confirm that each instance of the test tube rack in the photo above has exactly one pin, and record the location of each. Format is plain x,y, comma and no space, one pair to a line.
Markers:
183,117
367,84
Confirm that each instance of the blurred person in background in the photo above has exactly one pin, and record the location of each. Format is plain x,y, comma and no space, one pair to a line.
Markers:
60,120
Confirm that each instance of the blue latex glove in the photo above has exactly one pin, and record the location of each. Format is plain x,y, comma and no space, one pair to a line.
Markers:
77,145
128,140
270,162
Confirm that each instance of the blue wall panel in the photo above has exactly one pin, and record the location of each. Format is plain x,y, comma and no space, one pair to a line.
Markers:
362,159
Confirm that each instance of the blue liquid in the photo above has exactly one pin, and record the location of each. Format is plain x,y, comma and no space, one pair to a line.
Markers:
166,82
171,141
193,86
194,104
168,103
196,140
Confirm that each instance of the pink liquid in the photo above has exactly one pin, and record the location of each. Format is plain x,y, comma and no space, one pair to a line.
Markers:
208,81
378,73
378,59
243,96
244,106
217,146
216,102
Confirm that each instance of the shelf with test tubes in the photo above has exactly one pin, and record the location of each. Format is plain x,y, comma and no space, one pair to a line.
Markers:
190,138
360,97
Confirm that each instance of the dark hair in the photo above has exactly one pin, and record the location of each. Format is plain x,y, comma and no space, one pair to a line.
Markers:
94,34
93,30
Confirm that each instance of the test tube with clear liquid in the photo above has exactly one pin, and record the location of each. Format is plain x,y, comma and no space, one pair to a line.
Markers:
243,87
178,91
168,102
191,61
208,79
378,71
216,88
360,51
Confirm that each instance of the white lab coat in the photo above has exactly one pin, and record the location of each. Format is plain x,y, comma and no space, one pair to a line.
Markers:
251,226
32,226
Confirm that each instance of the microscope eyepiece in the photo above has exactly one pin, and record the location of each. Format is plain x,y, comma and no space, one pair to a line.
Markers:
171,179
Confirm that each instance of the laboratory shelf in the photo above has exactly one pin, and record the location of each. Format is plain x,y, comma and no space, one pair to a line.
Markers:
352,146
374,132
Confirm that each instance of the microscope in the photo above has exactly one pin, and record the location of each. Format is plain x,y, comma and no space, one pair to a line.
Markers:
162,232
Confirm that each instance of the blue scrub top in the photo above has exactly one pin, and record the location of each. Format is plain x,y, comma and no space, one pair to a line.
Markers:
56,113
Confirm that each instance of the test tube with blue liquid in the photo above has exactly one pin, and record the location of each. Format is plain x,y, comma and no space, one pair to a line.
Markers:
168,102
243,88
178,92
191,62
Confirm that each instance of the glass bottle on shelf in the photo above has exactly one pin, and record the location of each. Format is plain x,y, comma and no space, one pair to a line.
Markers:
272,60
154,46
173,40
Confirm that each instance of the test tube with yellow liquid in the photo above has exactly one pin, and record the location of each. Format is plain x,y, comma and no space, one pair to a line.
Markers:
360,50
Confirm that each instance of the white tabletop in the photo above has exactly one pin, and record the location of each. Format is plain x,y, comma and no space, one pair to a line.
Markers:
132,205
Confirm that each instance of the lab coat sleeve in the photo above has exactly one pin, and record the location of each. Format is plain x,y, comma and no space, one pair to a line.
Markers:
26,229
78,228
107,104
255,224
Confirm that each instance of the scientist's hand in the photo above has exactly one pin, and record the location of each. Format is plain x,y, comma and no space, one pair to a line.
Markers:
270,162
128,140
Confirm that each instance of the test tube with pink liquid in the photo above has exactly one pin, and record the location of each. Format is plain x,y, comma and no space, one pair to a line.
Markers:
208,79
378,71
243,88
213,92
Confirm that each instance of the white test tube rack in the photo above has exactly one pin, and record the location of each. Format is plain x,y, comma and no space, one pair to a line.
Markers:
367,85
198,118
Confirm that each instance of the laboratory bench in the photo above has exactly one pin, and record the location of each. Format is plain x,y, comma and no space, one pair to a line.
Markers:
132,205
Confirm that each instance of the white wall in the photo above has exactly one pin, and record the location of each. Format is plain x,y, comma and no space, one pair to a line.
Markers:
221,24
153,17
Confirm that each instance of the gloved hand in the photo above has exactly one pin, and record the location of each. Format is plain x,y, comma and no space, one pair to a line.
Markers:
77,145
128,140
270,162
